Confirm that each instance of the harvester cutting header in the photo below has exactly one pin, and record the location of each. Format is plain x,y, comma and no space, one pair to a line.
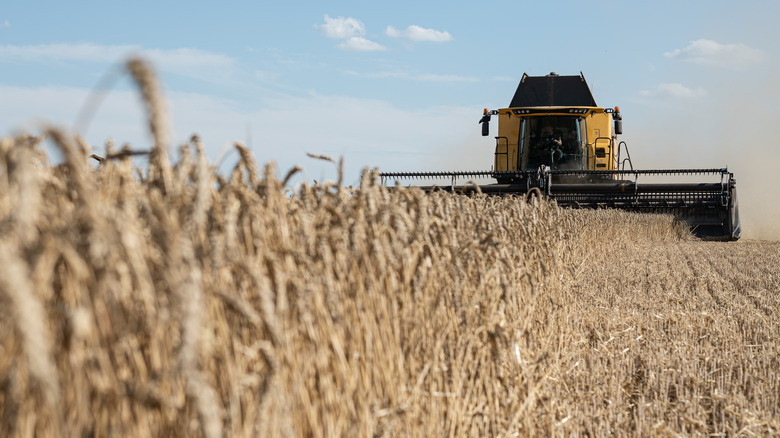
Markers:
555,139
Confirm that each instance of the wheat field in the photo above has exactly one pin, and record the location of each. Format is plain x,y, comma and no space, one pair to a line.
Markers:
175,301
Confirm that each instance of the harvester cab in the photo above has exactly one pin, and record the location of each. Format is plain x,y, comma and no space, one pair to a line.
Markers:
553,121
555,139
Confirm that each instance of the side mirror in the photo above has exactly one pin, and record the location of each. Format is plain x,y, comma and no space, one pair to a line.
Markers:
618,126
618,121
485,122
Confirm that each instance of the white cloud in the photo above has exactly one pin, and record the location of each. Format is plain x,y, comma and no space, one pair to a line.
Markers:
350,30
341,27
65,52
266,76
184,58
5,23
174,59
442,78
417,33
361,44
428,77
674,90
207,66
711,53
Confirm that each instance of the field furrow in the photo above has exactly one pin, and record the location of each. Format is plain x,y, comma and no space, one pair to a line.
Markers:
678,335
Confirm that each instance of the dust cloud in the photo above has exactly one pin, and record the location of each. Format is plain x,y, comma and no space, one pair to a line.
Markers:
735,127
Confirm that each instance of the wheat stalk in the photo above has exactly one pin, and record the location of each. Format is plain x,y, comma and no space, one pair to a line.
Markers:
232,305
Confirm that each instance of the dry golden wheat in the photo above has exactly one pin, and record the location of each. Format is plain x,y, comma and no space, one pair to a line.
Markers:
179,302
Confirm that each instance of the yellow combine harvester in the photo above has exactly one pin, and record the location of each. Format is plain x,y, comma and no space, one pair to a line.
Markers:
555,139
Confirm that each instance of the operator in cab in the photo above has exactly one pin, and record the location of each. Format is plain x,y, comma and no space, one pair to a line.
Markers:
546,148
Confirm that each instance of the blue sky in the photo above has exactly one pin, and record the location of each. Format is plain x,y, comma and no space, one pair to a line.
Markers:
401,85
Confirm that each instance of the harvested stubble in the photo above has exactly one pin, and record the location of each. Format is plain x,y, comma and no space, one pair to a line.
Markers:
181,303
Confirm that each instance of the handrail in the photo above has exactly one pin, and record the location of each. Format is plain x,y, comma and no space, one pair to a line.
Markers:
622,164
502,153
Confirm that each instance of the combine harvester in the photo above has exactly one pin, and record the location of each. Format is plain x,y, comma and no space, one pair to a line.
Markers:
553,139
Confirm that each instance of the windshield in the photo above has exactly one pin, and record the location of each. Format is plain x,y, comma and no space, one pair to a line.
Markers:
555,141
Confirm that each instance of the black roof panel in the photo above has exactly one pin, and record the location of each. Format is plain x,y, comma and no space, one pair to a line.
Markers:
552,90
